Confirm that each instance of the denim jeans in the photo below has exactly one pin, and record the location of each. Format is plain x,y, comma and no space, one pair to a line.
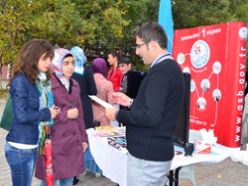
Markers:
62,182
21,162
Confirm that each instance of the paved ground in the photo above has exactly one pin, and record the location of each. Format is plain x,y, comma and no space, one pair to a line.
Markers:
227,173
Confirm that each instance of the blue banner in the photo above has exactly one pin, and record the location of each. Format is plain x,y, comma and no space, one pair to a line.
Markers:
166,21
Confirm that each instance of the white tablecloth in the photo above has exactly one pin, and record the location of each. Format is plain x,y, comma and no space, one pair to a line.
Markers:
113,162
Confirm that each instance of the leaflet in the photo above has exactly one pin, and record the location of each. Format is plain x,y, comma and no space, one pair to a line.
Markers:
101,102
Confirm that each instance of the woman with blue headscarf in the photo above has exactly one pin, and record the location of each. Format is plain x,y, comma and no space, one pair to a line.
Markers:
84,76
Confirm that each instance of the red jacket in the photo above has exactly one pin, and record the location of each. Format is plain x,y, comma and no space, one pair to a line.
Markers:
115,76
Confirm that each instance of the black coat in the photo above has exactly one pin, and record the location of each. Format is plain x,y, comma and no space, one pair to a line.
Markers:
154,113
87,87
134,79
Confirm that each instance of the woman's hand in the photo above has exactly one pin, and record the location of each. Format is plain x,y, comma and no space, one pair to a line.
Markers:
72,113
85,146
54,111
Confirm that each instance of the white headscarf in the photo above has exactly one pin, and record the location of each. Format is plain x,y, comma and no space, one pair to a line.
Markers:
59,55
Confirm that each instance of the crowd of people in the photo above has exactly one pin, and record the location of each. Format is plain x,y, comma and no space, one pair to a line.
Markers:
50,90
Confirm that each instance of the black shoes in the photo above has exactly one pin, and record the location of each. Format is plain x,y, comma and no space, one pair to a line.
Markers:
75,181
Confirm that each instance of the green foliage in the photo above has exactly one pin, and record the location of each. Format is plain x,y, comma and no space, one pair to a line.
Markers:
187,13
57,21
100,26
14,22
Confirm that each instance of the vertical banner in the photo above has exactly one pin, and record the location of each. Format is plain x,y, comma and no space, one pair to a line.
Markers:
215,56
166,21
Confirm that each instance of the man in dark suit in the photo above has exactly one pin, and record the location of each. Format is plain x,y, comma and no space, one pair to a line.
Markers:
154,112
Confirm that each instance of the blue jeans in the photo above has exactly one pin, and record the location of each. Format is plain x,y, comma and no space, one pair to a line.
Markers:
62,182
89,162
21,162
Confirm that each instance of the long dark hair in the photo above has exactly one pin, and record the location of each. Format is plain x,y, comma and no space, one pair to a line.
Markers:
117,53
28,57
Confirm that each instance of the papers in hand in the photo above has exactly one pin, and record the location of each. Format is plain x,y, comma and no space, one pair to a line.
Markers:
101,102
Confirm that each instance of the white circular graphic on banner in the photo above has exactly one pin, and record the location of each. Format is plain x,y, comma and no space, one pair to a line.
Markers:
186,70
199,54
243,32
216,94
205,85
180,58
216,67
192,86
201,103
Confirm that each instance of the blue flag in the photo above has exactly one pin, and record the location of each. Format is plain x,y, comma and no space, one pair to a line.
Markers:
165,20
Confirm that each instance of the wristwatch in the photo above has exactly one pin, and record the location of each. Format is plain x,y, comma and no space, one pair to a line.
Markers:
130,103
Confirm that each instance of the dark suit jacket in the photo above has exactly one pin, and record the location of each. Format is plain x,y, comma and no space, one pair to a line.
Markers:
154,113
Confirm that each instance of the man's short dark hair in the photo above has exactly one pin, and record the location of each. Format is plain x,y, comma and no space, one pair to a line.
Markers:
152,31
124,60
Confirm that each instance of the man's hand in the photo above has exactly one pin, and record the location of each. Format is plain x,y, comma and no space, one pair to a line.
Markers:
121,99
110,113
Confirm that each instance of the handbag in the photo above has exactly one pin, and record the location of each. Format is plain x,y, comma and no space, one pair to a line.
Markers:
7,117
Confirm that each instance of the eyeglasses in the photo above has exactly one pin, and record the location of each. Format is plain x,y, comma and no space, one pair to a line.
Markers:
139,45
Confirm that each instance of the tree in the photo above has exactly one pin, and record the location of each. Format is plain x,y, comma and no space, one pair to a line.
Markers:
14,22
187,13
100,26
56,20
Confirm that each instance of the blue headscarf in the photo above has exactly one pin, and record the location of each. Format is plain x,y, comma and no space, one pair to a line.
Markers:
81,59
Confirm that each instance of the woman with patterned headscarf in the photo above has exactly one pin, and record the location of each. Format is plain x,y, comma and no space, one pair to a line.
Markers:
69,140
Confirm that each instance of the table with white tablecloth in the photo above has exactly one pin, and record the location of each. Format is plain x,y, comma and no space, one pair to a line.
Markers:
113,162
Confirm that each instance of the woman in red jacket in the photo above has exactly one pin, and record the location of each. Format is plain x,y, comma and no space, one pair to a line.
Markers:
114,73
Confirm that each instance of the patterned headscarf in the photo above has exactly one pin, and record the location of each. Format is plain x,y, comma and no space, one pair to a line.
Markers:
59,55
81,59
99,66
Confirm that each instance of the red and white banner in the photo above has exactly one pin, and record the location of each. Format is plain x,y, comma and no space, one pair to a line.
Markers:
215,56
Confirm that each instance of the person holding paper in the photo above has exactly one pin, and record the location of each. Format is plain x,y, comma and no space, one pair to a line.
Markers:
153,115
104,91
